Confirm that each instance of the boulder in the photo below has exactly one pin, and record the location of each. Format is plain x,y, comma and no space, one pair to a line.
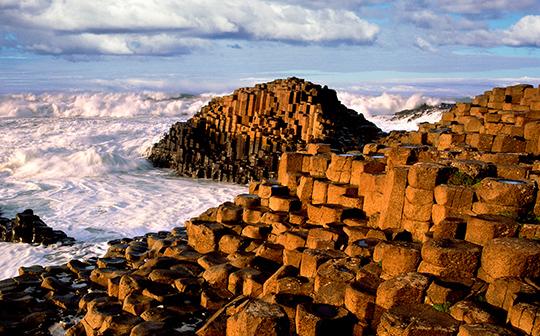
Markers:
258,318
507,257
322,319
411,320
403,289
449,258
332,278
513,193
483,228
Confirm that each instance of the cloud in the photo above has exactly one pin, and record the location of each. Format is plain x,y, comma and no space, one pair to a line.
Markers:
346,4
113,44
475,10
172,27
424,45
525,33
483,7
431,20
471,22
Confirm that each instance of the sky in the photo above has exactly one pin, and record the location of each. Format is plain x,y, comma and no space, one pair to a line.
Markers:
445,48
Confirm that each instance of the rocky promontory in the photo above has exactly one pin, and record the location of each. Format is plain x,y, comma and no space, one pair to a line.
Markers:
427,233
240,137
29,228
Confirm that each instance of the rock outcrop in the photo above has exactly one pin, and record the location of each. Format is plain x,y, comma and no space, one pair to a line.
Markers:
424,233
29,228
240,137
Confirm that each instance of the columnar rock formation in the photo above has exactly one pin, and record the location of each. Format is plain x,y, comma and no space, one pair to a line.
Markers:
432,236
502,120
240,137
29,228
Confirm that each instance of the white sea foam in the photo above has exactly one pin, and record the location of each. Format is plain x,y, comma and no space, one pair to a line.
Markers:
80,164
380,109
99,104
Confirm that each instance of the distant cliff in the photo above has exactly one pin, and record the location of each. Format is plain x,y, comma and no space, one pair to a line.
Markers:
240,137
421,111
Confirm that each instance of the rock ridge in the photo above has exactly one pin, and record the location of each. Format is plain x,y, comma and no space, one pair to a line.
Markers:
240,137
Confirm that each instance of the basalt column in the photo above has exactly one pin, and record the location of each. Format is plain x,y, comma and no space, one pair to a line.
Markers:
240,137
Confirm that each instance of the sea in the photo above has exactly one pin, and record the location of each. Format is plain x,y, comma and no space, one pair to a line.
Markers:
78,159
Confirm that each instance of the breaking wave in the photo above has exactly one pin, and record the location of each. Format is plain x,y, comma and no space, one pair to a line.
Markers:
99,104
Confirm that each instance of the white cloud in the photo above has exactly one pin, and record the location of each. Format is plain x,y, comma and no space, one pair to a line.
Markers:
467,22
168,26
113,44
526,32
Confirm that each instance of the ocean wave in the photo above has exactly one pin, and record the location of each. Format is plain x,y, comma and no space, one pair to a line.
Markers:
59,148
385,103
380,109
99,104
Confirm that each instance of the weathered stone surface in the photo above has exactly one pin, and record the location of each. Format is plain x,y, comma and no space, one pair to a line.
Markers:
204,237
403,289
453,196
216,325
513,193
471,313
483,228
258,318
410,320
397,258
445,291
503,292
218,275
484,329
525,317
394,198
506,257
153,328
332,279
312,259
229,213
360,300
426,175
450,258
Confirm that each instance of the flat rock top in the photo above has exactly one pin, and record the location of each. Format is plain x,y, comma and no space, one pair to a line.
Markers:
422,316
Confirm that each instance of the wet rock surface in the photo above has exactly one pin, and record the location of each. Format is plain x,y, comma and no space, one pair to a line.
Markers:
29,228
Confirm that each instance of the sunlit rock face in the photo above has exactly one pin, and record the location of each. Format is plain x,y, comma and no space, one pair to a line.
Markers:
240,137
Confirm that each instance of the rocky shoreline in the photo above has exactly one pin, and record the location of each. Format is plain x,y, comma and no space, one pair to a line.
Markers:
433,232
